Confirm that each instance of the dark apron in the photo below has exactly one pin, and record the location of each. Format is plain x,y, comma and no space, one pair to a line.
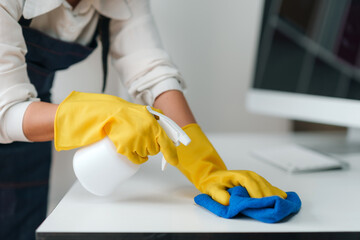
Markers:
25,167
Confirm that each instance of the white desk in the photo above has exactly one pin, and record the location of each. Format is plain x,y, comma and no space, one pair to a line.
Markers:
160,204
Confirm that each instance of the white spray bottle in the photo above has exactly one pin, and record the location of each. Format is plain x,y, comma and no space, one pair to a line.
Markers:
100,169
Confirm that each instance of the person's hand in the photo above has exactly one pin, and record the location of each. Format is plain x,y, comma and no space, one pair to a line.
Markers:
85,118
202,165
216,183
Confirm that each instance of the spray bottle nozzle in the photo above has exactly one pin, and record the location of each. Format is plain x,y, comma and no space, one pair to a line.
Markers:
174,132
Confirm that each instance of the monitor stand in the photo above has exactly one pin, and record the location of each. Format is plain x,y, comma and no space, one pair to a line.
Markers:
348,145
353,136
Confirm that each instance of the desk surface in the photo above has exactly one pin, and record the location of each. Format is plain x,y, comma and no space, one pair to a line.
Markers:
162,202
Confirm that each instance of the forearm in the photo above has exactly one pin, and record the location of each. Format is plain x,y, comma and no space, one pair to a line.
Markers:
175,106
38,122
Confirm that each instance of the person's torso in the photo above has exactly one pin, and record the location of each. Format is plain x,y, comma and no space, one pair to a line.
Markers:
68,24
58,19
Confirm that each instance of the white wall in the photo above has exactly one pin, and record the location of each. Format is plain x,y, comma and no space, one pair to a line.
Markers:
213,43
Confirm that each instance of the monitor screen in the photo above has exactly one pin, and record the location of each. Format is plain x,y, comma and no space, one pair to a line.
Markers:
310,48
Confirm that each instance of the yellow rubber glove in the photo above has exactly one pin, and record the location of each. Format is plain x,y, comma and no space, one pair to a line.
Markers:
85,118
202,165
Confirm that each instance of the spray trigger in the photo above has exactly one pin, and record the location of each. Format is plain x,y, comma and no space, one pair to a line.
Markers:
174,132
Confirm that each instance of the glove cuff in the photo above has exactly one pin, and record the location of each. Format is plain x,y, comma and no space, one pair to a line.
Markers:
75,119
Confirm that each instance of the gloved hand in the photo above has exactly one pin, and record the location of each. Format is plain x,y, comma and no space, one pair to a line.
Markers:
85,118
202,165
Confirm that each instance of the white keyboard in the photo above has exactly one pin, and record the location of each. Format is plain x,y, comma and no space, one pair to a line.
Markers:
295,159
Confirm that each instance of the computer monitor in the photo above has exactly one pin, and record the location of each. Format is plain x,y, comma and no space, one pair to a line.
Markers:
308,62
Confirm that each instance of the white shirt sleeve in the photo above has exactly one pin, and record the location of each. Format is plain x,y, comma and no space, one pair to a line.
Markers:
137,54
15,86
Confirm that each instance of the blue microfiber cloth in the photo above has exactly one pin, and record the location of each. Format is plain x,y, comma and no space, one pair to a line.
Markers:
268,209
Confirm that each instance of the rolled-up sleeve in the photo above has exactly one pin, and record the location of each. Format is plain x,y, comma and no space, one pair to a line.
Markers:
16,91
137,53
